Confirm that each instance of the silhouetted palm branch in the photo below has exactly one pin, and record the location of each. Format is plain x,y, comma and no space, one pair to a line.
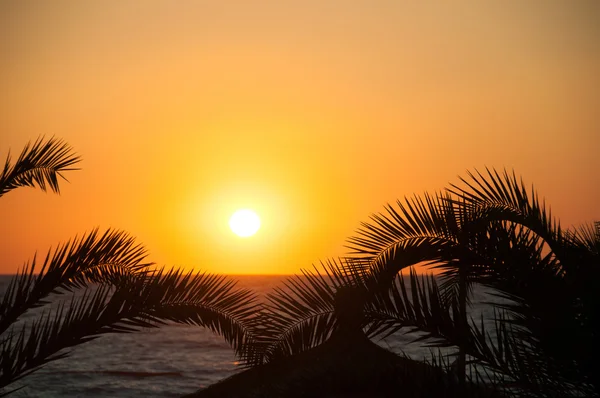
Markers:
94,258
428,230
498,197
300,315
39,164
494,233
137,301
120,293
558,303
421,308
207,300
502,356
418,217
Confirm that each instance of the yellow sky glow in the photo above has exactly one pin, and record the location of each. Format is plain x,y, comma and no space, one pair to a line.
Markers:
314,114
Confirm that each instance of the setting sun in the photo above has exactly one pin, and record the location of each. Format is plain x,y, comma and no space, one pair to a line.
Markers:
244,223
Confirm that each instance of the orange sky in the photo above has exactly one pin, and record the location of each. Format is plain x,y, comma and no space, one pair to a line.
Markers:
313,113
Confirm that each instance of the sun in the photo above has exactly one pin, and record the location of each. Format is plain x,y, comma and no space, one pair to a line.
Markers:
244,223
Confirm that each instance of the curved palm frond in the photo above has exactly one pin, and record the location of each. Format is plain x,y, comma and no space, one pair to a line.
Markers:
424,229
586,238
39,342
417,217
206,300
494,232
427,229
301,315
138,301
502,356
496,197
94,258
39,164
124,295
420,308
558,303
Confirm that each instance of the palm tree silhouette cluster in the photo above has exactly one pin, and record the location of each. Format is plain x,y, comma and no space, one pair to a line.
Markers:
312,336
123,292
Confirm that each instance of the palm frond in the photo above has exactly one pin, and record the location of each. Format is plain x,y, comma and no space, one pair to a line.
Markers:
418,217
301,314
555,308
206,300
504,357
39,164
494,232
419,308
93,258
586,237
40,341
504,197
427,230
138,301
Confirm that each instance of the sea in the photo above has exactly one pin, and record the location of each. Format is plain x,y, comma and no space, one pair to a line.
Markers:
172,360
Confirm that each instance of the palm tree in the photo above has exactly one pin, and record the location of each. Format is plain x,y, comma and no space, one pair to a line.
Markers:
121,291
312,339
490,230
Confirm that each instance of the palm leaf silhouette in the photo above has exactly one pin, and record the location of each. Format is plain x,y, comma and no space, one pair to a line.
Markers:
301,314
137,301
121,293
303,318
501,355
493,232
93,258
40,164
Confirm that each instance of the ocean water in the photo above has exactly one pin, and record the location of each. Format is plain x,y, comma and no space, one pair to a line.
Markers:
169,361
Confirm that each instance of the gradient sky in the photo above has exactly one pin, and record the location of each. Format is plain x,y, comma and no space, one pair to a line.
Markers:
313,113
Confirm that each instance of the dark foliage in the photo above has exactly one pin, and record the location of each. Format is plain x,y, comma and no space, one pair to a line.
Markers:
491,231
100,283
39,164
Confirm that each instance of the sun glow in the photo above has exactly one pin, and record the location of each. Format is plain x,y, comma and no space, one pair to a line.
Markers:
244,223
